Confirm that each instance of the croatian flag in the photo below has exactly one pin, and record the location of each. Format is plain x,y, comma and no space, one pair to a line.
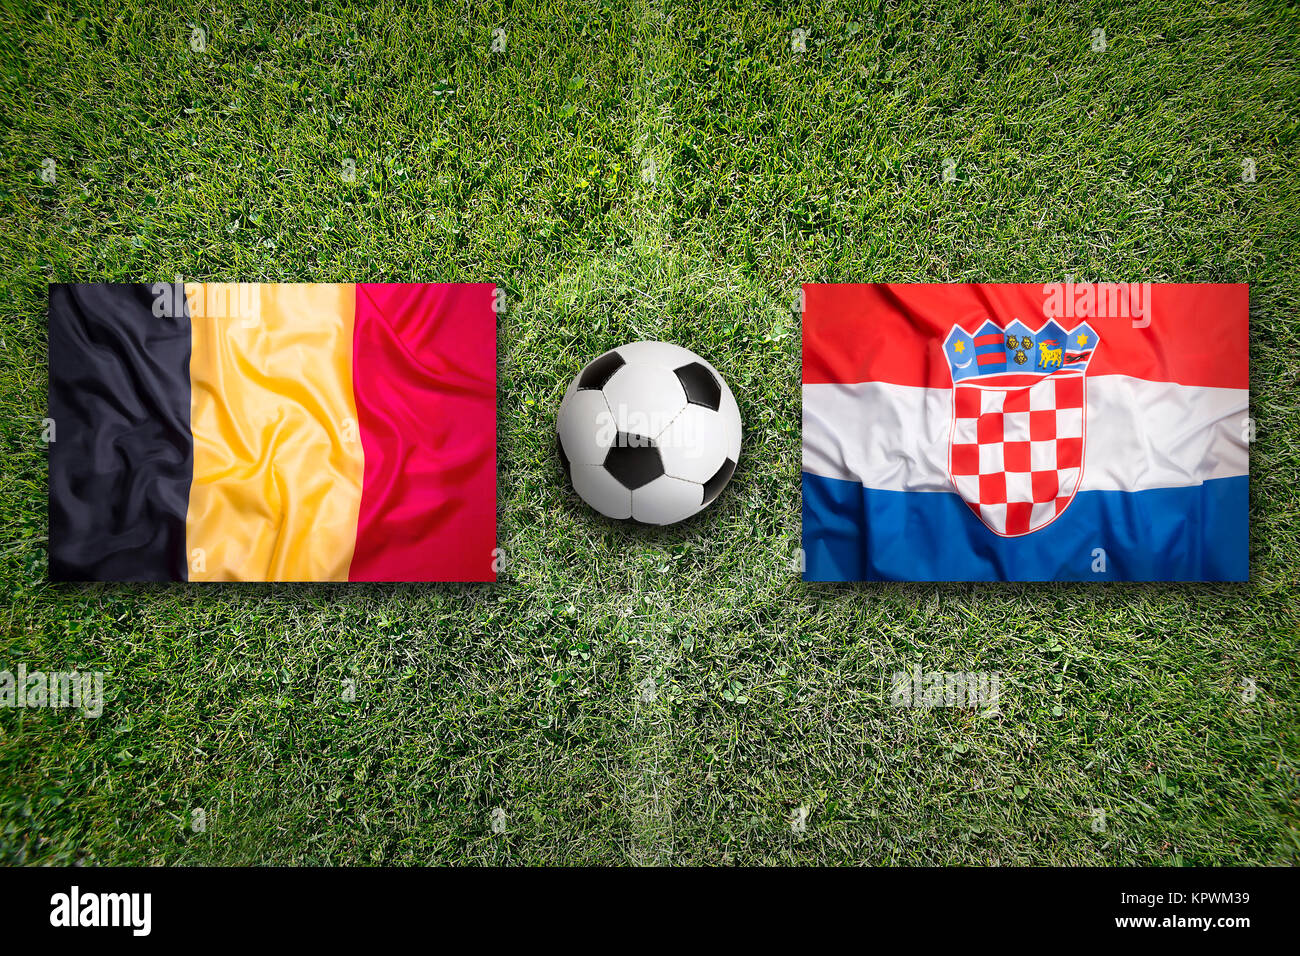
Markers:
1068,431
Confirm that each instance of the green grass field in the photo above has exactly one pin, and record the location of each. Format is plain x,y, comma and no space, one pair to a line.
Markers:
647,170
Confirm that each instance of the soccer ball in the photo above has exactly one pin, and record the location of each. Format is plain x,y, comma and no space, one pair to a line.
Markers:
650,432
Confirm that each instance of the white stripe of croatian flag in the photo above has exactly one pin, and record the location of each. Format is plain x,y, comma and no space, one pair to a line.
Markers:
1069,431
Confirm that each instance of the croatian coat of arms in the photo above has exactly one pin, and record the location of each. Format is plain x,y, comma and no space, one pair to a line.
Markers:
1019,420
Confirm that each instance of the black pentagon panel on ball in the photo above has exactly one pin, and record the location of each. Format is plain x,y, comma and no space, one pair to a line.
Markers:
713,487
595,375
700,385
634,461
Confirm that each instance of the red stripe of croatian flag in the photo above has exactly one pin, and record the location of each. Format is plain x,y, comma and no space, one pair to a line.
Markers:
1089,431
895,333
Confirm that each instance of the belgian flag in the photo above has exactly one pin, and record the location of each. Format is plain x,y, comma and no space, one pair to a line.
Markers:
267,432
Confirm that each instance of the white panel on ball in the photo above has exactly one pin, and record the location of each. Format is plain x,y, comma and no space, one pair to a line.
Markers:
602,491
695,445
644,400
730,413
658,354
666,500
586,427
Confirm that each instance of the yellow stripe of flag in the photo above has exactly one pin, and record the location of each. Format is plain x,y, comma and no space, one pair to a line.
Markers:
278,462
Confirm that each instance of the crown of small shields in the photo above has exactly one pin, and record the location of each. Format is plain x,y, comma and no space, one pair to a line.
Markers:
1014,349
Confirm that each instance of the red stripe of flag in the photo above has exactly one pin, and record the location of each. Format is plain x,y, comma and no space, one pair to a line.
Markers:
1197,334
424,379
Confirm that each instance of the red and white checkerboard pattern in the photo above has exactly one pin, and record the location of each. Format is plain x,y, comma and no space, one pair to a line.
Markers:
1017,453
